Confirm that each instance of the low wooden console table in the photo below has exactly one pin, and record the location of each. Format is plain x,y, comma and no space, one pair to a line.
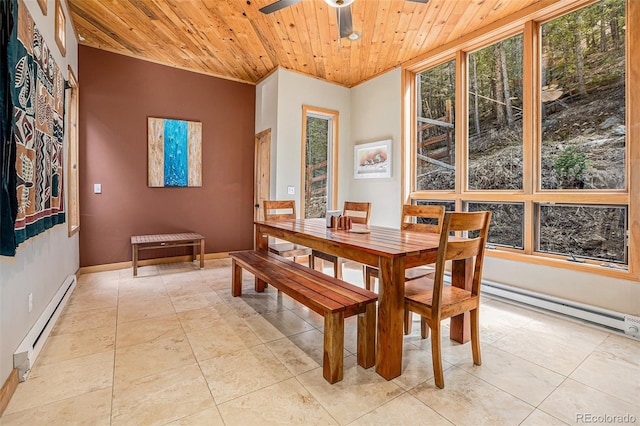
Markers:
148,242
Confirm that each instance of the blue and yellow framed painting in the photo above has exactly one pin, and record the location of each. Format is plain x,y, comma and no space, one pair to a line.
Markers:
175,153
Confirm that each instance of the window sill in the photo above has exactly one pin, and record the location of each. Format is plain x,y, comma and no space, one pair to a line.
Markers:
560,262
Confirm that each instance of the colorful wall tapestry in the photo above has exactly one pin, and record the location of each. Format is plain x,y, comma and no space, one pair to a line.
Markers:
174,152
8,200
38,100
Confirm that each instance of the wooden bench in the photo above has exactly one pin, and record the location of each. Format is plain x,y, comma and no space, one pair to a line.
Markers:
332,298
149,242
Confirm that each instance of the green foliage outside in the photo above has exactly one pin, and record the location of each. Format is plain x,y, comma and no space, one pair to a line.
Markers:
316,152
316,144
570,166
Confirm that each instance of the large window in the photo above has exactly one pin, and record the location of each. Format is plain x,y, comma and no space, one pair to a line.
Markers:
495,116
507,223
542,135
583,99
591,232
319,150
435,145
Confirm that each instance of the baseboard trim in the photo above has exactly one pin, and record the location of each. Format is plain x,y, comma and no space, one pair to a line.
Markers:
7,390
147,262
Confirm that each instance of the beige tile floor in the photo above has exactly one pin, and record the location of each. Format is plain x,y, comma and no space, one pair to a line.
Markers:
173,347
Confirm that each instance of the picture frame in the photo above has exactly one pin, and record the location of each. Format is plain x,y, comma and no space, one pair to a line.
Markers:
372,160
174,150
43,6
60,28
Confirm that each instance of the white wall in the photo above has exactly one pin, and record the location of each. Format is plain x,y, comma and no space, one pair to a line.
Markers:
42,263
267,118
591,289
294,90
376,115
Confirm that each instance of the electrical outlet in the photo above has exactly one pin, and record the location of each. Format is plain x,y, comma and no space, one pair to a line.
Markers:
291,190
30,302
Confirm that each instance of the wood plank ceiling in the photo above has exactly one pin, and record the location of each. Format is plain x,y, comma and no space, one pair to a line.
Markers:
233,40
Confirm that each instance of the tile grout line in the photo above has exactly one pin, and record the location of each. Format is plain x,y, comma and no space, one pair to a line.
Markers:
197,362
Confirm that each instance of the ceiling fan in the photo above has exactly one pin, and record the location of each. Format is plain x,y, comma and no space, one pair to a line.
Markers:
343,10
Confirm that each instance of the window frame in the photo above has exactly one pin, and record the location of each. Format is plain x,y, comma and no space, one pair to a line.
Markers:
60,27
528,22
73,217
538,230
332,156
456,151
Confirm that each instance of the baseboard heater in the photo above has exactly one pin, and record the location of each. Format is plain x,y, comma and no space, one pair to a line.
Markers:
613,321
28,350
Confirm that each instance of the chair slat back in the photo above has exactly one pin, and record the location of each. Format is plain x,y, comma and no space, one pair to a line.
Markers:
359,212
462,249
278,210
411,215
471,248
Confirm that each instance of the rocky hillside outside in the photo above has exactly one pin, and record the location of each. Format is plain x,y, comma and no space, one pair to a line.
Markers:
582,133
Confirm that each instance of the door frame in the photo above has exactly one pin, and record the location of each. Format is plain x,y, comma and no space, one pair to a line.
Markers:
332,156
258,166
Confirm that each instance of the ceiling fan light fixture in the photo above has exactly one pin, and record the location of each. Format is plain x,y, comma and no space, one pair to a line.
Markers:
338,3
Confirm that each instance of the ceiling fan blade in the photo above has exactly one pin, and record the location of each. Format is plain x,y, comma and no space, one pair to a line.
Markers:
280,4
419,1
345,22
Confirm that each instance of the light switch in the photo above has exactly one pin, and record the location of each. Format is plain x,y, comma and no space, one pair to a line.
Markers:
291,190
97,188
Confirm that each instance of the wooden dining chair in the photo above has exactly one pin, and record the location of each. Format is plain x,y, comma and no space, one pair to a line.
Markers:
414,218
278,210
359,212
435,301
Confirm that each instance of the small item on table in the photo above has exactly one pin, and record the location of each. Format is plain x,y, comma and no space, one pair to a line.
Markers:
330,215
359,231
341,222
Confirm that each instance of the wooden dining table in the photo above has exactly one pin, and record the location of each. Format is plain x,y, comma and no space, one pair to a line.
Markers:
391,251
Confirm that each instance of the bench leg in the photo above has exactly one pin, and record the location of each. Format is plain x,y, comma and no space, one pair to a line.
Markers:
367,337
333,357
134,259
236,279
259,285
202,254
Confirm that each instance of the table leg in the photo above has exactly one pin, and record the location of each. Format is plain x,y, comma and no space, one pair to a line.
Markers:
201,253
134,259
367,337
262,243
390,317
461,276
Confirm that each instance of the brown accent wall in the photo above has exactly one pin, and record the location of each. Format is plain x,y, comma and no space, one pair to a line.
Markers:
117,94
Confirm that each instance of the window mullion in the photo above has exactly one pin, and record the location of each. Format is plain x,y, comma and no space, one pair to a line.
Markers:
633,131
461,123
530,122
